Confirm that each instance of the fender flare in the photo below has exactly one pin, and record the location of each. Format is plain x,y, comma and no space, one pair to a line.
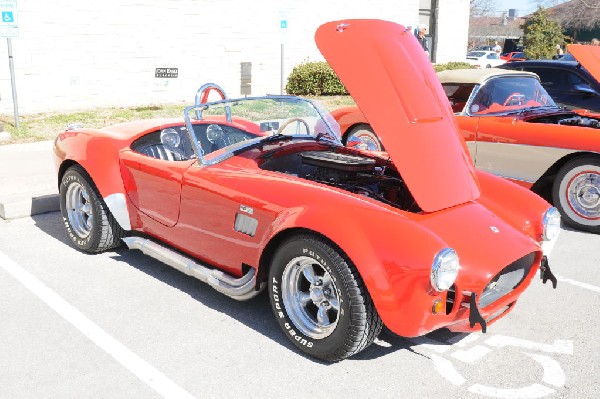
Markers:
391,272
98,154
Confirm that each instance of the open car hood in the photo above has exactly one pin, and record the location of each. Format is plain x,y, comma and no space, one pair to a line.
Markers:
588,56
393,83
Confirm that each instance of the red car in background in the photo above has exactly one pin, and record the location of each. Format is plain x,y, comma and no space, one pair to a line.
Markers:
515,130
513,56
259,192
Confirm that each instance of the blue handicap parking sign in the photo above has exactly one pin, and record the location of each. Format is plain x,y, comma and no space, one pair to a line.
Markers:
7,16
283,24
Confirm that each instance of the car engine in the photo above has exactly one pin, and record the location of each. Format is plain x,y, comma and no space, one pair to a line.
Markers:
580,121
569,120
351,172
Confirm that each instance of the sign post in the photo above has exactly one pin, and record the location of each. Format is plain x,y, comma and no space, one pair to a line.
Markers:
283,25
9,28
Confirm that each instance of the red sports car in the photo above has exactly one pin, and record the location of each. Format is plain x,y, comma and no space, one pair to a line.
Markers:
514,129
514,56
260,192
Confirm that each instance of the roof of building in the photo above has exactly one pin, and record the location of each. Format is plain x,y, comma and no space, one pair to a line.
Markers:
577,14
493,27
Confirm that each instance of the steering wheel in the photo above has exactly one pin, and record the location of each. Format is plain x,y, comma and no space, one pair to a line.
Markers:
289,121
514,99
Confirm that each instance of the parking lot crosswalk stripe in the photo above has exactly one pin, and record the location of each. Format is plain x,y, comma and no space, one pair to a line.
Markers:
138,366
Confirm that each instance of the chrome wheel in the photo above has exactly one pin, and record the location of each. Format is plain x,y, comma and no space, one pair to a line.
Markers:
583,194
364,138
576,193
319,299
79,209
310,297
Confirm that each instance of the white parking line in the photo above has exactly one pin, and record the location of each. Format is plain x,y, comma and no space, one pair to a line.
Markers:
531,392
559,346
578,284
447,370
138,366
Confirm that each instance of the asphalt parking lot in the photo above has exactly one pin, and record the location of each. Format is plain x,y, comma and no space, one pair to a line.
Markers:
122,325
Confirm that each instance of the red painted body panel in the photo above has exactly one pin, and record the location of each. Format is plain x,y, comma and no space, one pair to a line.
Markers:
588,56
348,117
97,152
514,130
409,111
154,185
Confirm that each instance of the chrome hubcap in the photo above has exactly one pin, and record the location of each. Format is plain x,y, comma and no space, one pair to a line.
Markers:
367,141
584,195
310,297
79,209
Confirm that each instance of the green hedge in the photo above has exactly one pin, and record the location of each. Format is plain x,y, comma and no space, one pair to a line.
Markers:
314,79
318,79
452,65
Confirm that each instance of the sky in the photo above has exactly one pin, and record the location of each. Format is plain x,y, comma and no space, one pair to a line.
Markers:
524,7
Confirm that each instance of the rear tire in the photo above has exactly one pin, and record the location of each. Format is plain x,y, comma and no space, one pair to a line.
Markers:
576,193
320,301
89,224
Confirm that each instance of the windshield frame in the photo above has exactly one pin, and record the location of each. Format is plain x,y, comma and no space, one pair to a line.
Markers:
480,86
328,122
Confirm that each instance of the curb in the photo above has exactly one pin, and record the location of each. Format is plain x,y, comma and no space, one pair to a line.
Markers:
29,206
27,180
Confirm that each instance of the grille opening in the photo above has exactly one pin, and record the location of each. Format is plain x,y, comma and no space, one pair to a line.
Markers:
499,312
507,280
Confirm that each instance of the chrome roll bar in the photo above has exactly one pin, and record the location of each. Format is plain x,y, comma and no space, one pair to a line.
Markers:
202,98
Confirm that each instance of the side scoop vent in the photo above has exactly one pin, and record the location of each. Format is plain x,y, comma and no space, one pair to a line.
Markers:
245,224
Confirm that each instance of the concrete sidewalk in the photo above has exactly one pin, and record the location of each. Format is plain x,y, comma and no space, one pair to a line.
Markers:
27,180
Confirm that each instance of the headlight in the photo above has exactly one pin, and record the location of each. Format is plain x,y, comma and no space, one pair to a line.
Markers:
551,224
444,269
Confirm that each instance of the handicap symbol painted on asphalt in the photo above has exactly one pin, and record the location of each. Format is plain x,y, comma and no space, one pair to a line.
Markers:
7,16
461,350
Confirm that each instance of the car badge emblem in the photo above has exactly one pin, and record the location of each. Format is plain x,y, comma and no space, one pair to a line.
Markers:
494,229
341,27
246,209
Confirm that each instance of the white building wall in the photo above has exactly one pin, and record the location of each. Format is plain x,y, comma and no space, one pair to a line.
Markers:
452,30
80,54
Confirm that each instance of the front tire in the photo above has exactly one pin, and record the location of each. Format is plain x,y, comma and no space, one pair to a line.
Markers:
366,136
576,193
320,301
89,224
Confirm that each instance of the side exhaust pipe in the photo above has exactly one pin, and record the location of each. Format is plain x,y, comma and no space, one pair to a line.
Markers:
237,288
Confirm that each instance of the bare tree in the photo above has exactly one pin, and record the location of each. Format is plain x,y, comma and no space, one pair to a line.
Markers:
548,3
482,7
577,14
552,3
591,4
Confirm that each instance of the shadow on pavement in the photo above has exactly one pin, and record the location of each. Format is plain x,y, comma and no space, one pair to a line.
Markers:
255,313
